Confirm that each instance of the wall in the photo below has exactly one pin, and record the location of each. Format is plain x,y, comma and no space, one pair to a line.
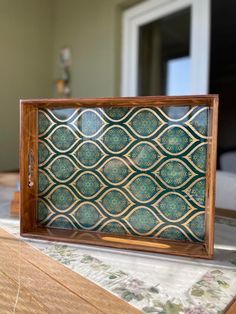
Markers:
25,66
91,28
32,33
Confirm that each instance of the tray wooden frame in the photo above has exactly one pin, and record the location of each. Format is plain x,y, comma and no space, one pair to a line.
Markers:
28,199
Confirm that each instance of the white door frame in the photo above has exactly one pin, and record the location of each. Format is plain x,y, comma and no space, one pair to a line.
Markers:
151,10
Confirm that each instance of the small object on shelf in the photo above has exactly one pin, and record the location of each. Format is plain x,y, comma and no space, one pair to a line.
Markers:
135,173
64,82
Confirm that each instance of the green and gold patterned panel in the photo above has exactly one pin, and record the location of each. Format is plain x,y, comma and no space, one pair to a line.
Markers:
138,171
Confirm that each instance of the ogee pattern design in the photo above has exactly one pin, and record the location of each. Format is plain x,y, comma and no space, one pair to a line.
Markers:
139,171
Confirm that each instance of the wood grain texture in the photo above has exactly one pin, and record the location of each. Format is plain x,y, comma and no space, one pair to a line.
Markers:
29,195
53,287
211,179
231,308
124,101
121,242
28,144
26,303
15,204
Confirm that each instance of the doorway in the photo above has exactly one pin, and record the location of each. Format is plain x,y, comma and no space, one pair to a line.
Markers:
166,48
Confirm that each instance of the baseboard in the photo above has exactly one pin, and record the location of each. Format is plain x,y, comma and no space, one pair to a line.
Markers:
229,213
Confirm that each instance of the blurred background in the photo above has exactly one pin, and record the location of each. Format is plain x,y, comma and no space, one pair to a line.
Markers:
101,48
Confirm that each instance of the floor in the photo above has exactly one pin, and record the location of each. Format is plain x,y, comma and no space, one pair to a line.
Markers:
152,283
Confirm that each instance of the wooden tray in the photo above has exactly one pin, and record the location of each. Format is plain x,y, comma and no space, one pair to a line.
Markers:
135,173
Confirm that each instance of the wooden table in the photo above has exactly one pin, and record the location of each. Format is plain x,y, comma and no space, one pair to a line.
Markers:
31,282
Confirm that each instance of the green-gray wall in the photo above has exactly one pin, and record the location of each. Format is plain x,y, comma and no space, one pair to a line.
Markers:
32,32
25,66
92,29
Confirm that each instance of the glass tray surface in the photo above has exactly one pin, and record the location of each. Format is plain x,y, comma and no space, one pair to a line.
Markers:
138,171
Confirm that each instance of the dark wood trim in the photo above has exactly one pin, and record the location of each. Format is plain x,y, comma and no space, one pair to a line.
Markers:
228,213
231,308
210,100
28,178
28,143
